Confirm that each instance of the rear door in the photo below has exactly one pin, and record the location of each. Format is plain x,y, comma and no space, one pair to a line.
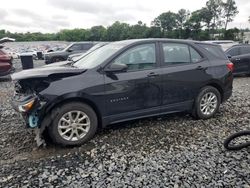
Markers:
183,73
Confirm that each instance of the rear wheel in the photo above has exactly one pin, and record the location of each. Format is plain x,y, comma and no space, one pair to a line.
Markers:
207,103
73,124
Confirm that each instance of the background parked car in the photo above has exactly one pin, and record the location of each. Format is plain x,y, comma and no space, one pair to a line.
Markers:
239,55
5,62
75,57
78,47
225,44
29,52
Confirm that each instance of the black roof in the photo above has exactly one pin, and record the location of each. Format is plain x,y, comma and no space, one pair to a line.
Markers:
131,41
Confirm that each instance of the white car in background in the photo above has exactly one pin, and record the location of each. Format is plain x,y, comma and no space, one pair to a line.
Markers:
32,53
225,44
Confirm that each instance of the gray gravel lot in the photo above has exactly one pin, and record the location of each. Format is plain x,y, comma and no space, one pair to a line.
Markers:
165,151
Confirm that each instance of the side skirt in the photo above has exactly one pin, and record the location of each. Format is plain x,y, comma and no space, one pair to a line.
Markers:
161,110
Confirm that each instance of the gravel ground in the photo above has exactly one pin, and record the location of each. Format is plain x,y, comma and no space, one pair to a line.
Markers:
166,151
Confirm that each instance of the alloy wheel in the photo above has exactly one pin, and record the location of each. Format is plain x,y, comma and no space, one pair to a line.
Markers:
73,125
208,103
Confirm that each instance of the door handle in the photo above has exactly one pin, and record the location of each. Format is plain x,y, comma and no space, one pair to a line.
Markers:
201,68
152,74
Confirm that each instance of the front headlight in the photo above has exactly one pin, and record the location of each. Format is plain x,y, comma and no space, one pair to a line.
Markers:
27,106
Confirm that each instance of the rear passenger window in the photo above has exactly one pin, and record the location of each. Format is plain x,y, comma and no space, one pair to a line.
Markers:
195,56
175,53
245,50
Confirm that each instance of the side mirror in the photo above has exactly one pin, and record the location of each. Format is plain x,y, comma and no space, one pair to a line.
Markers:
229,56
117,68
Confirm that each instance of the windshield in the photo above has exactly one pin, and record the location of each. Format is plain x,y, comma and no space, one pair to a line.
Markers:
98,56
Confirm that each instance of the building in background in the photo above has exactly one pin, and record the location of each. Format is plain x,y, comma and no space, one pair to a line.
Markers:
246,37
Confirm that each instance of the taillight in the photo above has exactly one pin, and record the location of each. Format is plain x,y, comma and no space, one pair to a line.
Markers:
230,66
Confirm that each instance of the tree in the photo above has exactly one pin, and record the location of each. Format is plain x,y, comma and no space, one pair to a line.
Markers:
118,31
166,21
194,24
229,12
206,17
139,30
97,33
182,17
215,7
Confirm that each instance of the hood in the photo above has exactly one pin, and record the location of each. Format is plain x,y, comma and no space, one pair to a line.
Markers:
61,63
46,71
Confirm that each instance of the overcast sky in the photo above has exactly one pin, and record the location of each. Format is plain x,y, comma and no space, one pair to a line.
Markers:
53,15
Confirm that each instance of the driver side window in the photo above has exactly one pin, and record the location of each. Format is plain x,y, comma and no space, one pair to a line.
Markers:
139,57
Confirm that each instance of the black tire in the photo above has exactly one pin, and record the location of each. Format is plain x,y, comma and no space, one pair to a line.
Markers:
234,136
58,112
197,113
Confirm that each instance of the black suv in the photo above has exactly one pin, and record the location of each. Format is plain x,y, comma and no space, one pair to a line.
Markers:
77,47
240,56
123,81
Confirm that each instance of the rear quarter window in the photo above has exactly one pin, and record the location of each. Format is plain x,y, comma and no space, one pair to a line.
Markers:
214,50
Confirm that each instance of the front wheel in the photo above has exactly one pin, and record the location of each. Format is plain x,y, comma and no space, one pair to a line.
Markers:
73,124
207,103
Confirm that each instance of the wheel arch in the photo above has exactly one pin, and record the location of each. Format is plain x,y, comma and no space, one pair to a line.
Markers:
218,87
58,103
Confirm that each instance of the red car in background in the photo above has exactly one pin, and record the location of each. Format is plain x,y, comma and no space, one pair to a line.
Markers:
5,63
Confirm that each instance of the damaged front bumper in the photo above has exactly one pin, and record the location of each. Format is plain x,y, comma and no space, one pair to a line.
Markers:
29,106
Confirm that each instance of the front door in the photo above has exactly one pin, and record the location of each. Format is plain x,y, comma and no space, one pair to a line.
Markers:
136,91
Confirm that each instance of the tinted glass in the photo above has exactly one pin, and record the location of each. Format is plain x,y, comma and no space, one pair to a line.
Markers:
76,47
215,50
176,53
245,50
98,56
195,56
139,57
234,51
86,46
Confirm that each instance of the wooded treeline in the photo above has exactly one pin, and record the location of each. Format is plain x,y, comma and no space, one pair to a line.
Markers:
207,23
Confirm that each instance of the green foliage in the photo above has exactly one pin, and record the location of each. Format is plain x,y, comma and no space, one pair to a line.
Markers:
167,21
229,11
198,25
